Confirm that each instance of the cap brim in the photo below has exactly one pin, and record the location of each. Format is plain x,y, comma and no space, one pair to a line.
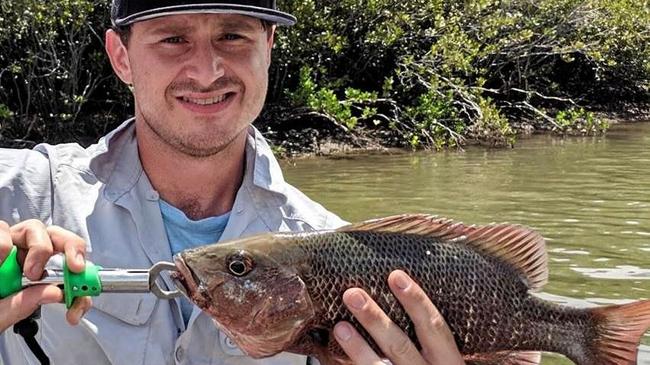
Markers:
270,15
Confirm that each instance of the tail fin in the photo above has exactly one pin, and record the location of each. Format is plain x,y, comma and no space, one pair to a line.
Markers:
620,328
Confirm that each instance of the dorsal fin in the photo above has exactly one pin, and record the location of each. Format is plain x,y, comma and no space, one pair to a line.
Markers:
519,246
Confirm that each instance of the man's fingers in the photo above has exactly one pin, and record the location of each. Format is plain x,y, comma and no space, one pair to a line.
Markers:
355,346
80,307
435,337
32,236
389,337
25,302
42,242
72,245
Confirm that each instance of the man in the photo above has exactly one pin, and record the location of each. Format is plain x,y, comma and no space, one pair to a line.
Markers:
188,168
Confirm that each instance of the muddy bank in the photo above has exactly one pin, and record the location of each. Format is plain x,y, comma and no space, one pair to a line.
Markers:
323,137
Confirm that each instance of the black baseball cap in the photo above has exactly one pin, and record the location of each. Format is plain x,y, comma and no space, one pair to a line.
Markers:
125,12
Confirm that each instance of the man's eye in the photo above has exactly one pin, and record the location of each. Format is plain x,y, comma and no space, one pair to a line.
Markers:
173,40
232,37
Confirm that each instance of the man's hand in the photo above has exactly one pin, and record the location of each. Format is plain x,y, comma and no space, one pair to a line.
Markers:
438,346
36,244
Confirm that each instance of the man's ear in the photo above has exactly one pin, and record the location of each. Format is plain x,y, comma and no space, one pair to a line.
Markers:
119,56
270,40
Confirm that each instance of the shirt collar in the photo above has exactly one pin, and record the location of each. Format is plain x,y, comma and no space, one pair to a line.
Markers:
116,162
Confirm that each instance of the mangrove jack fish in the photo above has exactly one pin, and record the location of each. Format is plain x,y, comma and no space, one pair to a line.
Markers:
283,291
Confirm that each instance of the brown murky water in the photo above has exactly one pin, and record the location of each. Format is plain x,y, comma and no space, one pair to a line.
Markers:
590,197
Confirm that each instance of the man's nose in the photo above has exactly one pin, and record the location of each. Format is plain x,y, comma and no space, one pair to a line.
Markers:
205,65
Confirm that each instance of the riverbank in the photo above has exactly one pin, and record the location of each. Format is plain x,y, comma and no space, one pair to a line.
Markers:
322,137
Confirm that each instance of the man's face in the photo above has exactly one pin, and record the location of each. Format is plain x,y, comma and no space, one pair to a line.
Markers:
199,80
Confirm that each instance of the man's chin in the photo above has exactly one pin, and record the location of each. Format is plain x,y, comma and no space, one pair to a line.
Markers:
200,151
196,136
208,148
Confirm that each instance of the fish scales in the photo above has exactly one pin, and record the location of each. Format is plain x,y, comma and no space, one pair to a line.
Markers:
338,261
283,291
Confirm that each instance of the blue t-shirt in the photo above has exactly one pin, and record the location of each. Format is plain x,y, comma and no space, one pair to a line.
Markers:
184,233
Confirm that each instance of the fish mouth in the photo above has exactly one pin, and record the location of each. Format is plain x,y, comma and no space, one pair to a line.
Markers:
186,281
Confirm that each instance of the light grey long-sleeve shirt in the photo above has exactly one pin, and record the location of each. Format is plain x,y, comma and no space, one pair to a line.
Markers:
102,194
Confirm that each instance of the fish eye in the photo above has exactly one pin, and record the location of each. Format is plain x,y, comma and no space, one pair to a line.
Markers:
240,264
238,268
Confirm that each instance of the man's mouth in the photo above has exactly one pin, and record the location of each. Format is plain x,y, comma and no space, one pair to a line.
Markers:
206,101
205,104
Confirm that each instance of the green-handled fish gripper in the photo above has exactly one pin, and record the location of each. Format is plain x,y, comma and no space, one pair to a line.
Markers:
84,284
91,282
10,275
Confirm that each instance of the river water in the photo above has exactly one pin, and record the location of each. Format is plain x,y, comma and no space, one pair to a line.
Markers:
588,196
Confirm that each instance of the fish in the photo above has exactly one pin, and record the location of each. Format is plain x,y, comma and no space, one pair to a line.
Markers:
278,292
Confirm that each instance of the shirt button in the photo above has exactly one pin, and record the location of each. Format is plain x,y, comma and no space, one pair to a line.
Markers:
179,354
153,196
231,344
228,346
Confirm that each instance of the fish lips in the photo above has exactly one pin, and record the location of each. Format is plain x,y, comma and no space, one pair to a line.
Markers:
189,283
184,278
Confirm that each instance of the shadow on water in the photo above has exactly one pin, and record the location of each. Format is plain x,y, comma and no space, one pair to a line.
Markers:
589,196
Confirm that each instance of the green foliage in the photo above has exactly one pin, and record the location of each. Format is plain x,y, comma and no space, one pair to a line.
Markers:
426,73
279,151
435,120
306,88
325,100
51,65
474,67
5,113
579,121
492,126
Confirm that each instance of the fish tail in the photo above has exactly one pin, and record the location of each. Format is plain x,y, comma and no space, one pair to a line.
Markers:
619,330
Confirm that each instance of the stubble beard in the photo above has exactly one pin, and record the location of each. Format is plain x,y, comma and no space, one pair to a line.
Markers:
194,147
